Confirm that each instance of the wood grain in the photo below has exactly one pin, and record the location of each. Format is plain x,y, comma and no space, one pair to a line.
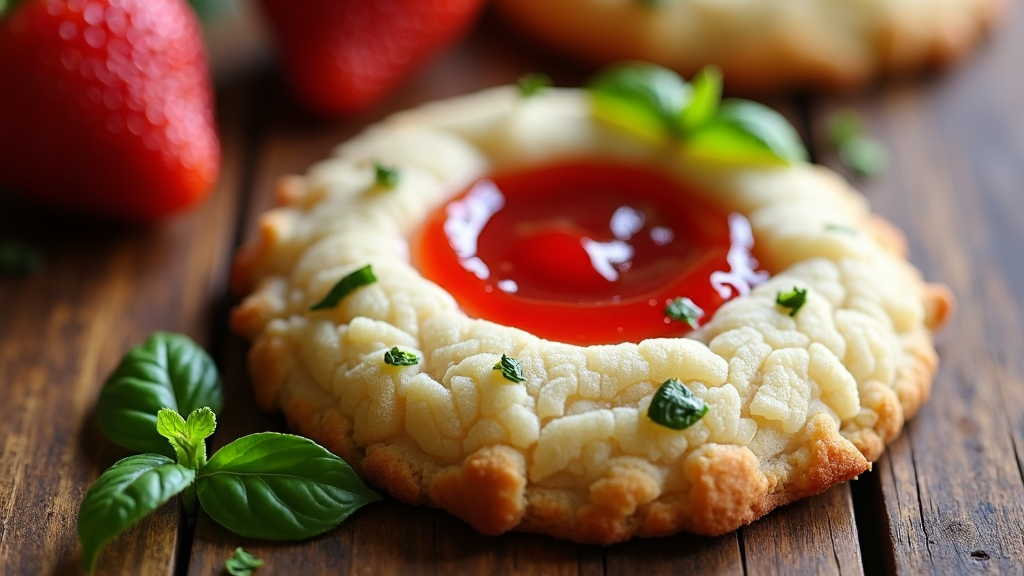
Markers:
953,496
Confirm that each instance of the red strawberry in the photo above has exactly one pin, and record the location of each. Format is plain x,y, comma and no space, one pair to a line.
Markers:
344,55
106,106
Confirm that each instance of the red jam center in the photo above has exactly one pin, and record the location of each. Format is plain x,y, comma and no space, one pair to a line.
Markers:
582,253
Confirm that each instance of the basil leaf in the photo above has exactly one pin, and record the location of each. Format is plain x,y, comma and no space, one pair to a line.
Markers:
865,156
242,563
707,92
793,299
510,369
532,84
168,370
645,98
127,492
748,132
346,285
684,310
279,487
171,426
396,357
675,407
18,258
385,176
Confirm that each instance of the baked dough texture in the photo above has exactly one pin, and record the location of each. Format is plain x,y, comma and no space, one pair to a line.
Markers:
797,404
763,45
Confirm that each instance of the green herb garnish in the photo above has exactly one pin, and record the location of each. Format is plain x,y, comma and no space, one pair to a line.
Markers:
793,299
658,104
242,563
396,357
345,286
267,485
18,258
533,83
510,369
385,176
684,310
675,407
865,156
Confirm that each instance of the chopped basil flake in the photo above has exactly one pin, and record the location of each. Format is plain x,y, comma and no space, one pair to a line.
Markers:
675,407
840,228
794,299
533,83
345,286
242,563
385,176
18,259
684,310
396,357
510,369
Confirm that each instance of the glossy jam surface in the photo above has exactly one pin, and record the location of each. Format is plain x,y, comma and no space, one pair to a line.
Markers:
583,253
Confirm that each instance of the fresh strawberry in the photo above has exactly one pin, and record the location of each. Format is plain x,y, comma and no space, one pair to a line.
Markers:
106,106
342,56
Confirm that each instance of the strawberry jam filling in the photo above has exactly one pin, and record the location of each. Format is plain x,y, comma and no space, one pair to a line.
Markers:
586,253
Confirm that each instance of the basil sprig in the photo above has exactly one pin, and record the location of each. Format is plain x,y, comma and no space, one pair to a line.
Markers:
345,286
675,407
397,357
168,370
267,485
657,103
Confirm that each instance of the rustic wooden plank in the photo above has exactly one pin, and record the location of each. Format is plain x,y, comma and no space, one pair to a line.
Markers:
951,486
105,288
812,536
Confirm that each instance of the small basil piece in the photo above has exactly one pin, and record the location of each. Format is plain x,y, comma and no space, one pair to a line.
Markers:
684,310
532,84
345,286
840,228
279,487
128,491
242,563
168,370
745,131
510,369
396,357
793,299
18,258
385,176
187,437
675,407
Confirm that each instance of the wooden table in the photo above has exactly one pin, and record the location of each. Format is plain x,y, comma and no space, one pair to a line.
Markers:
948,497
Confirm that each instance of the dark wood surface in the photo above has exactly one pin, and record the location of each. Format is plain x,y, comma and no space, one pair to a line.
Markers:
947,498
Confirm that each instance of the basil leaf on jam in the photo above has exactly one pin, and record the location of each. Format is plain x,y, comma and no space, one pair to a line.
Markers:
396,357
345,286
658,104
684,310
533,83
385,176
675,407
510,369
793,299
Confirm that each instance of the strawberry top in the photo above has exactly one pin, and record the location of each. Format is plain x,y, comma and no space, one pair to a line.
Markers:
106,106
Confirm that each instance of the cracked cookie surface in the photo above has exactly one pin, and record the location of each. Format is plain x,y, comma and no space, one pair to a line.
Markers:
797,403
